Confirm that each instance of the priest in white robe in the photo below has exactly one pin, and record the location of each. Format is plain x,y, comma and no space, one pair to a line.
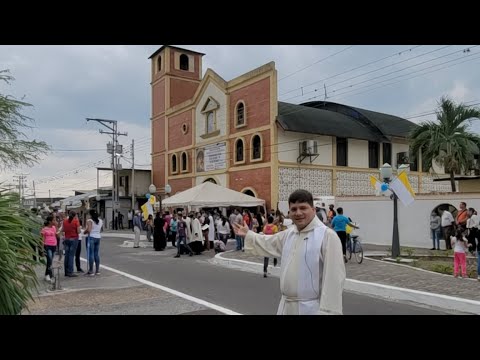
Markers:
312,271
196,236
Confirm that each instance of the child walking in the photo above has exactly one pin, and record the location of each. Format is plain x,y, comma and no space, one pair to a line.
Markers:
459,244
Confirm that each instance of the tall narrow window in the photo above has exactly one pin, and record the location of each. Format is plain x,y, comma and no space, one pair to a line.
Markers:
256,147
174,163
373,154
184,161
183,62
342,147
239,151
387,153
159,63
240,114
210,122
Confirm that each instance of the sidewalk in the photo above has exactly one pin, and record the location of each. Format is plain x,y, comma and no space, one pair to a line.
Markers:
388,280
108,294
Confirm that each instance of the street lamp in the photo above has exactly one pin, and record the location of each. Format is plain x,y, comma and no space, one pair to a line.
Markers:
386,173
152,189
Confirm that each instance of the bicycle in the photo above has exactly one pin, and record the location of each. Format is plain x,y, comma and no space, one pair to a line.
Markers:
353,242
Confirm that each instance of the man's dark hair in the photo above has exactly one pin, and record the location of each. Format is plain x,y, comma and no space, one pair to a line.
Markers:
340,210
464,203
301,196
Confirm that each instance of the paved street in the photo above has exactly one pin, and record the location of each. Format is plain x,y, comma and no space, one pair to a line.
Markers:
243,292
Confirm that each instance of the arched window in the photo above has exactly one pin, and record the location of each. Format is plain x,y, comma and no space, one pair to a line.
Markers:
256,147
239,150
249,192
174,163
210,180
240,114
183,62
184,161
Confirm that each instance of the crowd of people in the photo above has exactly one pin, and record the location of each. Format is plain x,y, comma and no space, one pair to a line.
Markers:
462,234
64,235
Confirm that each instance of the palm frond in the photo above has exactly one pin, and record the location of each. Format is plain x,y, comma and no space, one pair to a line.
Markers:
19,236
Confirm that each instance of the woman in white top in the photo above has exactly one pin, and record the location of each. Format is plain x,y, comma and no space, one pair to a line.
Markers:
472,229
94,227
223,229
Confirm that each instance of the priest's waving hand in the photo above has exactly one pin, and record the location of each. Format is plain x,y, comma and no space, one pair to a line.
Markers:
312,271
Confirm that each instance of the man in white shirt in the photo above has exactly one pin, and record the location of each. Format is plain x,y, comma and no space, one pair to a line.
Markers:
130,219
447,227
312,271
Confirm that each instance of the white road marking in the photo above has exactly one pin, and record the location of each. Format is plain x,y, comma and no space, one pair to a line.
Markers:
171,291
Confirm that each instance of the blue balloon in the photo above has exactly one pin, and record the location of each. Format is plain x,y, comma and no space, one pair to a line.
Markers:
147,196
384,187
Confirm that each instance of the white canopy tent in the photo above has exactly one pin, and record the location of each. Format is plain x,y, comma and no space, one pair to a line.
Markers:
76,201
211,195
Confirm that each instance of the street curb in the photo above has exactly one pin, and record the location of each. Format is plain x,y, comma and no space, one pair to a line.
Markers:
379,290
123,235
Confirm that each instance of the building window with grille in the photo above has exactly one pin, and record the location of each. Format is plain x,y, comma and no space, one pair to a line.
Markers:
256,147
174,163
184,162
184,62
240,118
373,154
387,153
342,150
239,149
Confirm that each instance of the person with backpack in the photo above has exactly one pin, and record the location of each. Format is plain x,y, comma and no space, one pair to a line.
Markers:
269,229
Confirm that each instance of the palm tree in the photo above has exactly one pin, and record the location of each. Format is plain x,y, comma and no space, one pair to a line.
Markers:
19,229
448,140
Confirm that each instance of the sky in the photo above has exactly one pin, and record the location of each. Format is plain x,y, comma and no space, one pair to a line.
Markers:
67,84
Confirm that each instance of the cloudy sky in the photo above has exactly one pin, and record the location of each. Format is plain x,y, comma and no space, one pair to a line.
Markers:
66,84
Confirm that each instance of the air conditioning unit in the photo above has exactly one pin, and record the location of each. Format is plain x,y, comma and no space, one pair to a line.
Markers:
309,147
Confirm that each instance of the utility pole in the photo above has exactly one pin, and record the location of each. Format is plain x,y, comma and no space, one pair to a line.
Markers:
21,185
114,148
34,196
50,196
133,174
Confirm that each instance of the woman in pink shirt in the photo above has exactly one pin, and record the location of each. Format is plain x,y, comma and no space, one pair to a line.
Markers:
49,234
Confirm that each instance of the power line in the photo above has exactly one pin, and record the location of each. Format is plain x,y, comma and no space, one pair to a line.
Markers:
389,73
412,77
76,150
353,69
316,62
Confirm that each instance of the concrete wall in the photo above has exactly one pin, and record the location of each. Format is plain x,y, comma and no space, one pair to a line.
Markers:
357,153
375,216
142,182
469,185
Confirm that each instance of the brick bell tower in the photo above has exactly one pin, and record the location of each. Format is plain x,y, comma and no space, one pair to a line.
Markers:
175,76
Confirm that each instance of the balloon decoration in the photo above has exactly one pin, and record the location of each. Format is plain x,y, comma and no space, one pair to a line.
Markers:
147,208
